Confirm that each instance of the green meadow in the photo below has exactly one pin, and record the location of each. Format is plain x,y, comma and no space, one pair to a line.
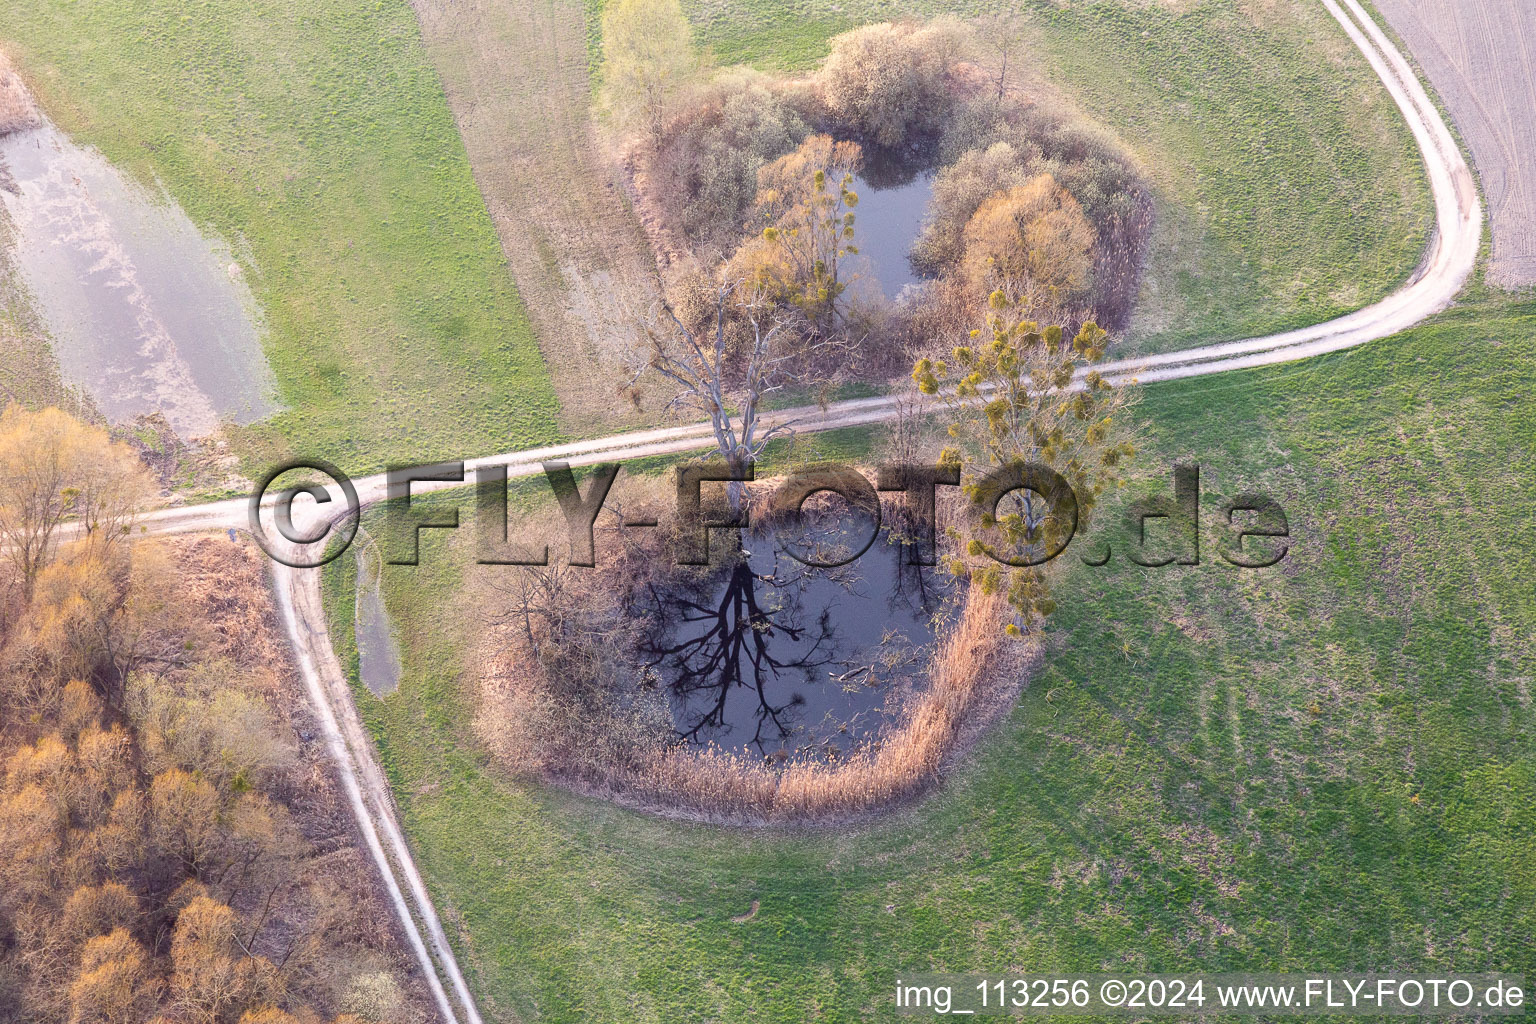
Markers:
1330,763
1325,765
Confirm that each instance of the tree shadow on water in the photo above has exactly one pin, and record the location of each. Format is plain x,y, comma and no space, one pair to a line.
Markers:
797,656
748,632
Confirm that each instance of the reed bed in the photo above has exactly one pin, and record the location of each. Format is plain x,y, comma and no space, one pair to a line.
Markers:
971,670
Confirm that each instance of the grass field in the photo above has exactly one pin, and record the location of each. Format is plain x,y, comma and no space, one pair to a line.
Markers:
1288,187
575,249
1327,764
315,139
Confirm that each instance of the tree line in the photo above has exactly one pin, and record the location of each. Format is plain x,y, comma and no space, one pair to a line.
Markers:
171,853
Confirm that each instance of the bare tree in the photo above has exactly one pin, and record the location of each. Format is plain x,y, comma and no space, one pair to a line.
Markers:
724,362
1002,36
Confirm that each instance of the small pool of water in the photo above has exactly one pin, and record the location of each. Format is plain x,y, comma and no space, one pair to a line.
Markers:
773,659
886,223
145,312
378,657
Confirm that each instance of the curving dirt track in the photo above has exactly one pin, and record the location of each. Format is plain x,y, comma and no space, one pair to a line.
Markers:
1480,55
1448,262
303,614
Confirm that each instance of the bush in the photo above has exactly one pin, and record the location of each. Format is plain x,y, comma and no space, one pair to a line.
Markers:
958,191
562,695
890,82
713,157
805,203
1030,238
1085,161
205,726
986,121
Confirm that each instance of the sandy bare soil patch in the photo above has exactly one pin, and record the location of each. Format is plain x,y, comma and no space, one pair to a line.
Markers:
1481,57
515,73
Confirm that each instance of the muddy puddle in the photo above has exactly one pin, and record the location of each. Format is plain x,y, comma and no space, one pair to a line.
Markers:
378,656
146,313
772,659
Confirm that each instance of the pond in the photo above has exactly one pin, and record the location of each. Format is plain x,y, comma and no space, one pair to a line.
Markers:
774,659
886,223
145,312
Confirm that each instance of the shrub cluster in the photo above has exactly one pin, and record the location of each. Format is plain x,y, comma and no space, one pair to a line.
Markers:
995,144
171,853
905,90
893,84
707,166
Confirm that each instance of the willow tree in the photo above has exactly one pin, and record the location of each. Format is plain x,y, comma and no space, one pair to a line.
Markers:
1022,398
648,60
1032,239
54,468
116,983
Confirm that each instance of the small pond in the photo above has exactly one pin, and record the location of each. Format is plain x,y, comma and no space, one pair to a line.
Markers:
886,223
146,313
771,658
378,656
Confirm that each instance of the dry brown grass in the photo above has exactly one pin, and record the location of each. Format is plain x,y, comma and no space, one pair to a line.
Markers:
17,111
905,764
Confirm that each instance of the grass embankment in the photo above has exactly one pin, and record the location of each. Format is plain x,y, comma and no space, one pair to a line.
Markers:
1289,189
315,139
1331,763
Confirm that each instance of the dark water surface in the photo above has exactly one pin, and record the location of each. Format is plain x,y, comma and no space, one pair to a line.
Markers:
886,223
773,658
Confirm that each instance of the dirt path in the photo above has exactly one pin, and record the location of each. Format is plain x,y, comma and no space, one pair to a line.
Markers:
303,614
1481,57
515,74
1448,263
